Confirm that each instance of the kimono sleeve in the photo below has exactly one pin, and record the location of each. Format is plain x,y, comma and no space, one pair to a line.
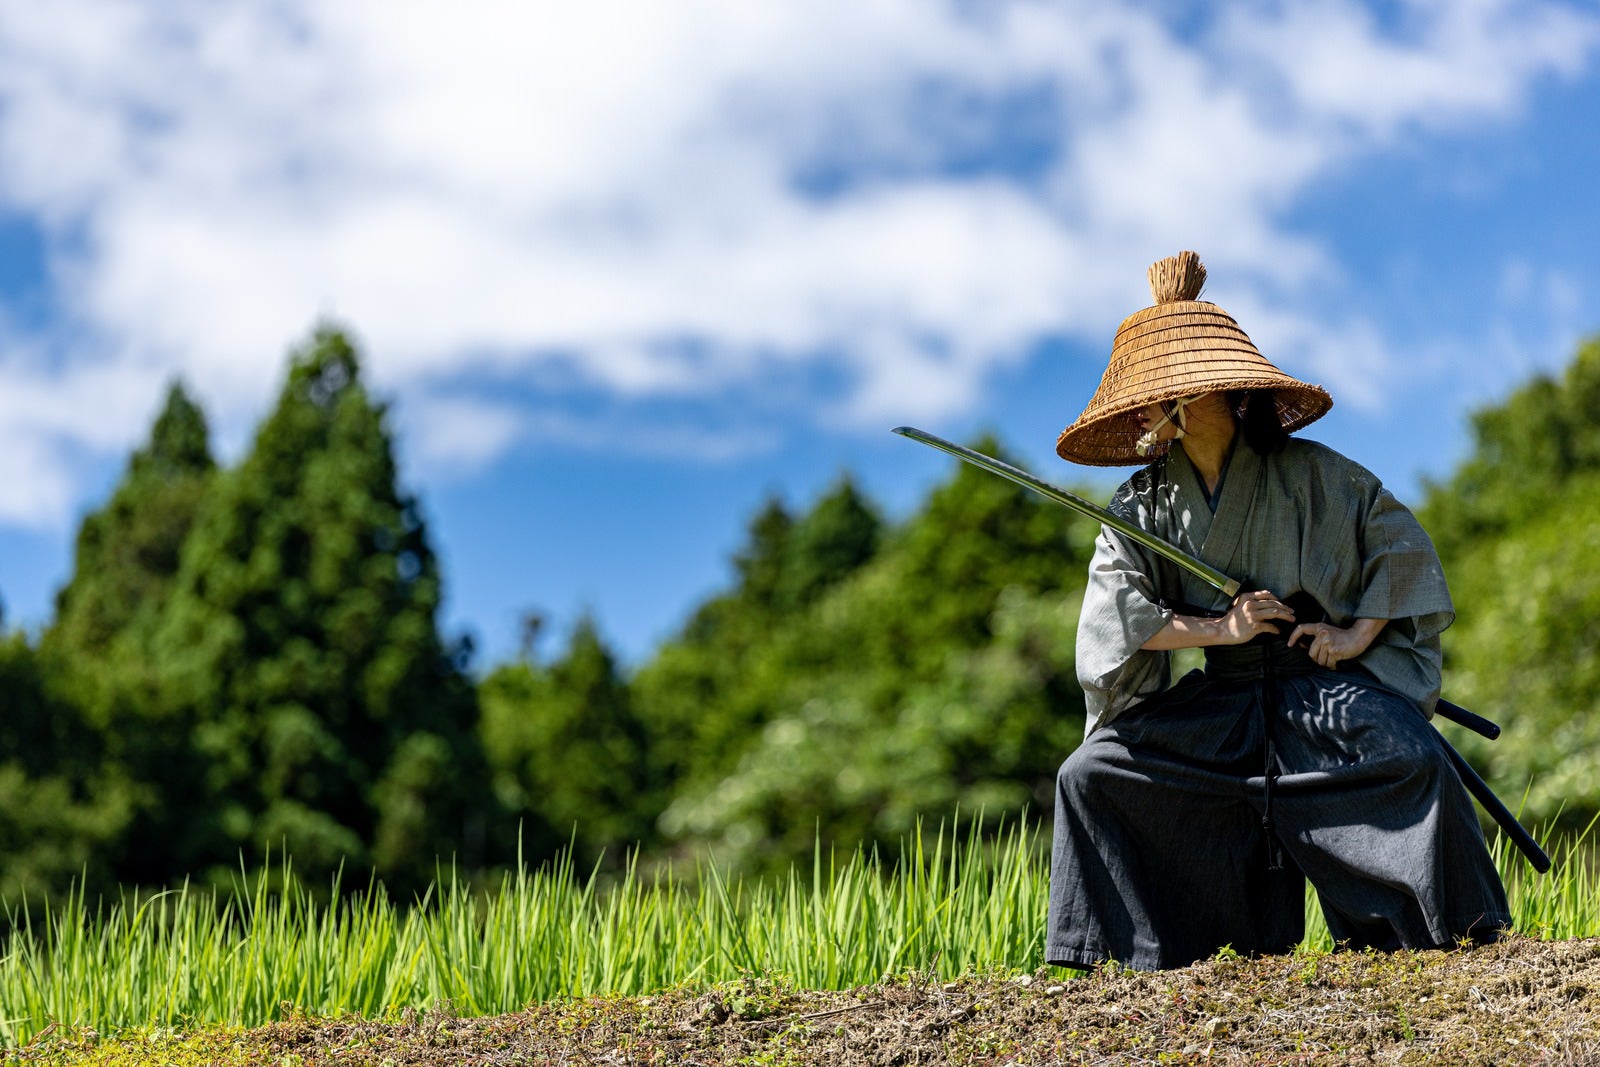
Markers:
1403,581
1401,576
1121,611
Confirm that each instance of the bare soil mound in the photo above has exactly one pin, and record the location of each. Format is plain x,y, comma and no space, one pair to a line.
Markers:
1516,1002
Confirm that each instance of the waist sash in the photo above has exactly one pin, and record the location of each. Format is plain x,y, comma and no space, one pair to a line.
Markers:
1258,660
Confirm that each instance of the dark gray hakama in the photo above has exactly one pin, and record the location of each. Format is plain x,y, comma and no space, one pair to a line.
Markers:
1161,857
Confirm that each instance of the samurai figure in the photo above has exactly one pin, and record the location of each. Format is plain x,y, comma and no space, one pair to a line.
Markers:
1193,812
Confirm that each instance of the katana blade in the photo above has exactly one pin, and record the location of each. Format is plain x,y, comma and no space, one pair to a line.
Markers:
1199,568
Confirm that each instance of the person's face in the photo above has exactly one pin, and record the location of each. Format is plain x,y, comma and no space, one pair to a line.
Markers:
1151,414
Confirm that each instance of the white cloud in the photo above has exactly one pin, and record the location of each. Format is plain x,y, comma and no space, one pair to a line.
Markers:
52,417
1450,62
613,193
1539,317
39,483
455,432
447,435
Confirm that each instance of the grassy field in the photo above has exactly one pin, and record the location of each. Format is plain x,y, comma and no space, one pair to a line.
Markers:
954,904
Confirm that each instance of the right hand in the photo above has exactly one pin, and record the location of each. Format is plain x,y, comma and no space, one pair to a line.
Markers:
1252,613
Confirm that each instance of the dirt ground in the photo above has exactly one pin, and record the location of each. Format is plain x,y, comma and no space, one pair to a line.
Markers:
1517,1002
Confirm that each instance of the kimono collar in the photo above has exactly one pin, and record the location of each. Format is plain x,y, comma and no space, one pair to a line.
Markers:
1215,527
1213,498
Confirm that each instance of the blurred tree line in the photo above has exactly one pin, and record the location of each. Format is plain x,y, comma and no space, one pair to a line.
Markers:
249,659
245,659
1518,527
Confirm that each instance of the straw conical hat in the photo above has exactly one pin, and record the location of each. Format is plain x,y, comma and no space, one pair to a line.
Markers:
1179,347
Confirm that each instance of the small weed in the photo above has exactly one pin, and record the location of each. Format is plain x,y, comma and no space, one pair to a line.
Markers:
758,996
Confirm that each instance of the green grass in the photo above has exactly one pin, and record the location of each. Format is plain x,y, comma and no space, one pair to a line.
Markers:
956,902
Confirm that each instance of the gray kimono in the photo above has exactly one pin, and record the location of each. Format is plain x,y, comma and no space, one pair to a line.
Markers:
1304,520
1191,816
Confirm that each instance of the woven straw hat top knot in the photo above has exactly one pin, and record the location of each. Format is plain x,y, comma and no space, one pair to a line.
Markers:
1181,346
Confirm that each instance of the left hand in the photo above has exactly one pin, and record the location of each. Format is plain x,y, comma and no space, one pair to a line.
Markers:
1332,645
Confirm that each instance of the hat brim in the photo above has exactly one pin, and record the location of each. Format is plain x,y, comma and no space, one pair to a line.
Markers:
1110,439
1173,350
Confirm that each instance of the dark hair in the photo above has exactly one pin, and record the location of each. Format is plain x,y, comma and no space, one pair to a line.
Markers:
1257,411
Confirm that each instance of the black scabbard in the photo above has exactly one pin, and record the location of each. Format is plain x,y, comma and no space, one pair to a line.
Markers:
1497,811
1471,720
1480,789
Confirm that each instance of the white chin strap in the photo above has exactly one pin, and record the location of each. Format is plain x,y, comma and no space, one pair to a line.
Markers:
1147,440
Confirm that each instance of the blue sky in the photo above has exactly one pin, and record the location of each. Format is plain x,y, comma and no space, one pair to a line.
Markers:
627,267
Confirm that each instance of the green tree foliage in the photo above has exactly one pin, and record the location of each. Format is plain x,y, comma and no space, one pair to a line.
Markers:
834,539
567,752
1525,450
932,670
696,696
97,656
59,807
300,654
126,559
1518,527
761,565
